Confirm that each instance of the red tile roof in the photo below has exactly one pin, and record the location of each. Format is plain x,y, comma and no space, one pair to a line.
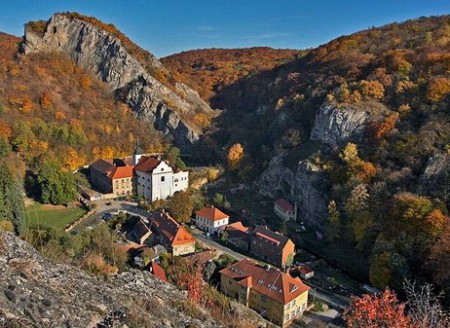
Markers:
170,229
182,237
268,235
107,167
271,282
147,164
123,172
284,204
212,213
158,271
237,226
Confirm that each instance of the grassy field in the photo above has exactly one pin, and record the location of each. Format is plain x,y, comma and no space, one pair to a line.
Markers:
56,217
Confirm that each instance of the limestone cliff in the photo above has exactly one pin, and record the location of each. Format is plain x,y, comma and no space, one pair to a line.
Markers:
432,180
104,54
37,293
307,185
336,125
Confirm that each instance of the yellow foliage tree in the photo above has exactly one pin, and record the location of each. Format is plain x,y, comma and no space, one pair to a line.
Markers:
235,154
438,88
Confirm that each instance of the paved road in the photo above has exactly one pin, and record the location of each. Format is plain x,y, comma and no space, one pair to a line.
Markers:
337,301
212,244
102,208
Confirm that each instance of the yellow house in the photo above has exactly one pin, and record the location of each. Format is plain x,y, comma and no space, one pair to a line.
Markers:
276,295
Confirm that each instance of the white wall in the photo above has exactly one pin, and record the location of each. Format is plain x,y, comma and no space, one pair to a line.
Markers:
152,187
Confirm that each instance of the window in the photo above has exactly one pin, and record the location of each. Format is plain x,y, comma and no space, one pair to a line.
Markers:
163,179
263,298
162,169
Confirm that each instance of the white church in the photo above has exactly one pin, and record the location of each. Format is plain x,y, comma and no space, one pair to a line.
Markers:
155,179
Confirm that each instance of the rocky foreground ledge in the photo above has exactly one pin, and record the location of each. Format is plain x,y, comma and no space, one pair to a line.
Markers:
35,292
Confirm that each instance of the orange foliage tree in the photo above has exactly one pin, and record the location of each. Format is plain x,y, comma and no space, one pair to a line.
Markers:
235,154
378,130
373,311
438,88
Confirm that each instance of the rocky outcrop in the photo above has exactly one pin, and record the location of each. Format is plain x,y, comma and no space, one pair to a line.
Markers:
434,175
308,185
337,125
103,54
37,293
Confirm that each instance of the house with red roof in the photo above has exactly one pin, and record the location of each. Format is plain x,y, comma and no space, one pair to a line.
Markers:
211,219
272,247
285,210
238,235
276,295
146,176
171,235
156,179
158,271
113,176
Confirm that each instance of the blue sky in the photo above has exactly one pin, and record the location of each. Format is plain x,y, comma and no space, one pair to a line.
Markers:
168,26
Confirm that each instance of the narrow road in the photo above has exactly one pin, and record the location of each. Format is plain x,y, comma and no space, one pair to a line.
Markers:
114,206
335,300
211,243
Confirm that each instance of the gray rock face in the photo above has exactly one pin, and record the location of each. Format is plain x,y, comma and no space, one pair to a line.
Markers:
307,185
431,181
37,293
103,54
338,125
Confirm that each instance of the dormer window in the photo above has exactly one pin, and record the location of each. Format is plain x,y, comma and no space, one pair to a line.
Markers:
294,289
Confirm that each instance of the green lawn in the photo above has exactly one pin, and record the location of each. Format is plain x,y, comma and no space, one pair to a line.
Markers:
54,217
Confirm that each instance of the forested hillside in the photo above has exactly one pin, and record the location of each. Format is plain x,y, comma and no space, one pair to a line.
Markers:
366,117
49,106
210,70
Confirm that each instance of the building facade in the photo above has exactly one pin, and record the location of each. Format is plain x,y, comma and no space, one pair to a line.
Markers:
211,219
113,176
272,247
276,295
237,235
285,210
155,179
146,176
174,237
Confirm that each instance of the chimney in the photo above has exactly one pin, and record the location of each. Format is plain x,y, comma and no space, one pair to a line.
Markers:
267,267
295,211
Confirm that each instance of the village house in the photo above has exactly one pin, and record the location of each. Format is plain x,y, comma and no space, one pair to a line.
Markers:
237,235
211,219
158,271
113,176
306,272
147,176
285,210
171,235
274,294
140,232
272,247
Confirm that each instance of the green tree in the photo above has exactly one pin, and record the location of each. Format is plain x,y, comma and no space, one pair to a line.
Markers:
174,159
181,206
333,229
18,206
56,186
5,148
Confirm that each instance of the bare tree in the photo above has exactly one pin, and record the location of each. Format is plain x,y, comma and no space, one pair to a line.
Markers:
425,308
